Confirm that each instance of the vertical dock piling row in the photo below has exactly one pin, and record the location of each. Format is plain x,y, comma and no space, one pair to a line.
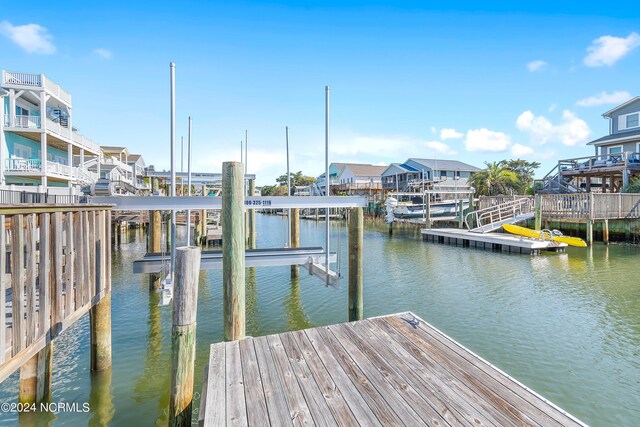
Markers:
605,231
295,237
589,232
356,303
233,252
252,217
183,335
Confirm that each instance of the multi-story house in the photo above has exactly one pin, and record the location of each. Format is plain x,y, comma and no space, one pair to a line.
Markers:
39,144
435,174
120,172
616,159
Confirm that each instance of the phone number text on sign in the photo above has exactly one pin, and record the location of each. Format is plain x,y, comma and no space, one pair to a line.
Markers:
257,202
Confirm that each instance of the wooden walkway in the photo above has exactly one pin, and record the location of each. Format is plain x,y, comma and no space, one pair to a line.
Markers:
393,371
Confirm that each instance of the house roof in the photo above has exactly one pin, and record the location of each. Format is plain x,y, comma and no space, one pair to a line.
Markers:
613,110
358,169
403,167
134,157
616,137
112,149
450,165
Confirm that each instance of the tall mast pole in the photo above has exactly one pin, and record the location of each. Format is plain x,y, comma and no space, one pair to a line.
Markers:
288,191
326,176
189,184
173,169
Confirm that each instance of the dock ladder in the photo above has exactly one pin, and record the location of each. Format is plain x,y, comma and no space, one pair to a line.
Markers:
491,218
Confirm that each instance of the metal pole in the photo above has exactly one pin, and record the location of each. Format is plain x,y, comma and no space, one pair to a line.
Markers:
288,191
189,184
241,151
173,169
326,175
246,150
424,202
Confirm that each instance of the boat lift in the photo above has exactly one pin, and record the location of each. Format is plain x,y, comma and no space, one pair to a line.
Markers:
310,258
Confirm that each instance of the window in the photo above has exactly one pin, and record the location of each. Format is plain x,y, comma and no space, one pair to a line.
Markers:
443,173
20,111
632,120
21,151
628,121
614,150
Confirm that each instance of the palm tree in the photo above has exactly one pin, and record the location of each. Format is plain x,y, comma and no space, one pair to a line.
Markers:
495,179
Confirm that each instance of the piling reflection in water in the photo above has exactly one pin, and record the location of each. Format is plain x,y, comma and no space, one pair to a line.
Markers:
101,398
296,317
251,303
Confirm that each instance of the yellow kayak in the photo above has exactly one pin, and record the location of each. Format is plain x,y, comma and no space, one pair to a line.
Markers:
535,234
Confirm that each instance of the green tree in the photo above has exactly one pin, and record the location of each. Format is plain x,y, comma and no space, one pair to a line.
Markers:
297,179
524,169
495,179
634,186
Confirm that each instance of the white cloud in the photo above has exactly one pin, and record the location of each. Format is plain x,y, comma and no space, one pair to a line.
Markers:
447,133
33,38
486,140
103,53
519,150
602,98
433,129
440,147
570,131
607,50
537,65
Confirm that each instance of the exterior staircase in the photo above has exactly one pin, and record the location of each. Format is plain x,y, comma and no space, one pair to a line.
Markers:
555,183
492,218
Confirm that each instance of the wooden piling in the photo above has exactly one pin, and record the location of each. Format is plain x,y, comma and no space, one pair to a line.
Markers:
589,232
295,237
538,211
252,217
461,212
100,313
428,212
356,303
28,381
183,335
155,243
203,227
233,252
605,231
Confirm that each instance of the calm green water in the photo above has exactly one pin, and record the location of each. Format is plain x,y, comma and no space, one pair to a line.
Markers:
567,325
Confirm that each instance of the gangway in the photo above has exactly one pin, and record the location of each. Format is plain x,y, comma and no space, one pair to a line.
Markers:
492,218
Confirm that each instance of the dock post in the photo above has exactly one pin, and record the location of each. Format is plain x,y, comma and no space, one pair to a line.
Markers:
100,325
356,303
252,217
183,334
203,227
605,231
155,237
35,376
461,211
538,207
233,252
589,232
295,237
428,213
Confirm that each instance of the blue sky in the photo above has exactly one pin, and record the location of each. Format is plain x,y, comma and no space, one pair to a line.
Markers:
467,83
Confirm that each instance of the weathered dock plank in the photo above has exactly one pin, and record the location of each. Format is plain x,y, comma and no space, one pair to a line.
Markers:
393,370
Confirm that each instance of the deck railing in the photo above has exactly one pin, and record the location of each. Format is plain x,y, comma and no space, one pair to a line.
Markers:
56,263
23,165
26,122
11,78
593,163
591,206
58,129
13,197
85,142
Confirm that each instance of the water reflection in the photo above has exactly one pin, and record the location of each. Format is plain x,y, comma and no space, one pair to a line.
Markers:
296,317
252,324
101,398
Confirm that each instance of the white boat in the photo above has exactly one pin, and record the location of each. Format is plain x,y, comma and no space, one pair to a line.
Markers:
448,208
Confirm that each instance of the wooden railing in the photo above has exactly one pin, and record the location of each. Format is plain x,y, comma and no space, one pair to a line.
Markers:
489,201
58,266
591,206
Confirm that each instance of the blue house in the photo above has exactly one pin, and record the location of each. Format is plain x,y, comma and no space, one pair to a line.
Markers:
436,174
616,159
39,145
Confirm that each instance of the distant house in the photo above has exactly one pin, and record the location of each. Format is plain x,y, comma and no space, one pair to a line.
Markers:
353,178
616,159
436,174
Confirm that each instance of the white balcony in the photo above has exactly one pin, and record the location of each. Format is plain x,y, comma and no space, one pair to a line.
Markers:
85,142
57,129
26,122
59,169
23,166
31,80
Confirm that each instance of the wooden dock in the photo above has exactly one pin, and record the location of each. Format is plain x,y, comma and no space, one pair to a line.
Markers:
392,371
491,241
